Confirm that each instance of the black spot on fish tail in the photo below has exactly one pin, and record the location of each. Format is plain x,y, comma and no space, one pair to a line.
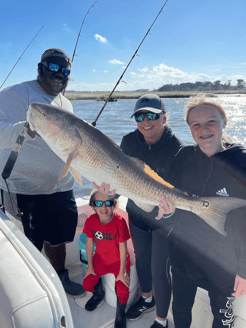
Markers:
215,209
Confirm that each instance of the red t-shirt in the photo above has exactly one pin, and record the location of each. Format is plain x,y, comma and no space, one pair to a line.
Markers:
107,236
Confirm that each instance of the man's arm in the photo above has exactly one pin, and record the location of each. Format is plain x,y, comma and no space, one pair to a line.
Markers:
12,117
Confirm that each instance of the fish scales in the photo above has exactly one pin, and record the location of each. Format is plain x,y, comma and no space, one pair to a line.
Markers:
88,152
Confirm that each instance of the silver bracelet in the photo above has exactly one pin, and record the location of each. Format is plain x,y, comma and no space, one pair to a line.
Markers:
165,216
111,196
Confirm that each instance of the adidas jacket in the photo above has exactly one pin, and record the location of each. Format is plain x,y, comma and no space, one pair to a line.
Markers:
195,248
159,157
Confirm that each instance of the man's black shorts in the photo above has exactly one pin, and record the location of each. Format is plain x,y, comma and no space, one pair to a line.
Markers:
52,218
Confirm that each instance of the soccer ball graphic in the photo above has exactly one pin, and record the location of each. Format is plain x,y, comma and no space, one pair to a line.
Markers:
99,235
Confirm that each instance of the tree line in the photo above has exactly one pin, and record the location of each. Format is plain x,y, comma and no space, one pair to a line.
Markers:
203,86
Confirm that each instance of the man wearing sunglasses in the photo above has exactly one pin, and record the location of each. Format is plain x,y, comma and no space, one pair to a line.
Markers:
46,206
54,73
154,143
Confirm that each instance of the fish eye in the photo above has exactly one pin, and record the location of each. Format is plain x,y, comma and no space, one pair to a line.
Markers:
205,203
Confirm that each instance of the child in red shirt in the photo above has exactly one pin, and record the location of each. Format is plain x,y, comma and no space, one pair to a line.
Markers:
110,233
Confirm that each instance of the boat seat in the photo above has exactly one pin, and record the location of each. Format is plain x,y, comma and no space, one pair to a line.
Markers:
31,294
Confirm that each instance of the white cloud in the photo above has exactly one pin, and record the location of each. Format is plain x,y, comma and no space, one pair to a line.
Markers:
66,28
93,70
145,69
117,62
234,78
100,38
158,76
167,75
105,71
163,74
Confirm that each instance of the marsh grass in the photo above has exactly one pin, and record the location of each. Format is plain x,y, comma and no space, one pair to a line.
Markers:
99,95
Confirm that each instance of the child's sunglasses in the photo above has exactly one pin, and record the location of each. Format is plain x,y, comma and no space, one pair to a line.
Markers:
56,68
139,117
99,203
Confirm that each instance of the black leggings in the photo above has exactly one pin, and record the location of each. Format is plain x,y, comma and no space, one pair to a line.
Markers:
184,292
152,266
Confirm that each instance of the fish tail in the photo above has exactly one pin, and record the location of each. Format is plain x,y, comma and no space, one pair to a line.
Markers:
215,209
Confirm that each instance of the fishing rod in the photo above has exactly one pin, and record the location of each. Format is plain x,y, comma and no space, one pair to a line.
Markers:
19,58
74,52
94,123
9,167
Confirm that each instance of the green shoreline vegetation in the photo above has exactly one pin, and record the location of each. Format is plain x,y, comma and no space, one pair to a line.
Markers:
102,96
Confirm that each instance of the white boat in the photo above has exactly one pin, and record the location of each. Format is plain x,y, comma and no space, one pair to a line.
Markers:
31,295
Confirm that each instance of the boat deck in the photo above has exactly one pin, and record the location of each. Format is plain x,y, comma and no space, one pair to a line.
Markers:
104,315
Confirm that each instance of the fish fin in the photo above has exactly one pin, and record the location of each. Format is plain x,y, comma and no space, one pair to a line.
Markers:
138,162
145,207
112,141
68,168
109,138
156,177
144,167
215,210
76,175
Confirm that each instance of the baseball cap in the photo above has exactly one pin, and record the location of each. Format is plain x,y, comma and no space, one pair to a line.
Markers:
54,52
150,102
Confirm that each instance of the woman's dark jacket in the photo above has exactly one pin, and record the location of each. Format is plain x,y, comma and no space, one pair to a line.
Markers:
158,157
195,248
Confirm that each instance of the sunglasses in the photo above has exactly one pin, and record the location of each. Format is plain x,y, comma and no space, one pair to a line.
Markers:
56,68
99,203
139,117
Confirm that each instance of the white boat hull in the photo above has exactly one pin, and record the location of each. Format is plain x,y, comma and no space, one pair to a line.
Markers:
31,294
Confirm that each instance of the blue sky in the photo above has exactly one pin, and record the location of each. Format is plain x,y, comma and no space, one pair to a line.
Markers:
190,41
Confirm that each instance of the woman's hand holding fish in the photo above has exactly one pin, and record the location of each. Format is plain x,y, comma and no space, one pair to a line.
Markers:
239,287
104,188
166,207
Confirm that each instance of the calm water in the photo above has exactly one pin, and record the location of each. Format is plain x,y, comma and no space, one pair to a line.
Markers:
115,121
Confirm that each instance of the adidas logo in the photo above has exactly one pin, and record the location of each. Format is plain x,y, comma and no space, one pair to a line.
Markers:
222,192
